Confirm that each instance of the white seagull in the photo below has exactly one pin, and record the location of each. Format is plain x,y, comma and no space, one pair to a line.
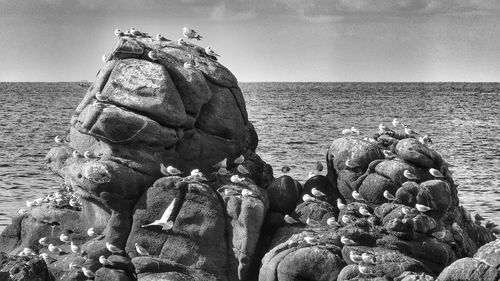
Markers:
239,160
163,221
191,33
169,171
210,52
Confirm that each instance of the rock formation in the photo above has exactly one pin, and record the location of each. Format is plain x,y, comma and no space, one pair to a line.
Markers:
388,208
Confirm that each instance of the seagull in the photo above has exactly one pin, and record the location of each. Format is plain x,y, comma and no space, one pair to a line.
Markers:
382,127
246,192
332,222
190,34
243,170
340,204
59,139
181,42
28,252
76,154
64,238
159,37
104,58
347,241
169,171
230,192
311,174
91,232
54,249
422,208
285,169
357,196
368,258
46,258
153,55
140,250
389,196
346,132
74,203
223,172
239,160
349,164
236,179
104,261
101,97
316,192
395,122
43,241
308,198
439,234
75,248
188,65
435,173
355,257
310,240
87,272
210,52
87,154
163,221
197,175
363,211
354,130
425,139
138,33
347,219
409,131
364,269
288,219
221,164
409,175
389,154
112,248
119,33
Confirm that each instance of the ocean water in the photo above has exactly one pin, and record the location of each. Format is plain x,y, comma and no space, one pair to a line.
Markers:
296,122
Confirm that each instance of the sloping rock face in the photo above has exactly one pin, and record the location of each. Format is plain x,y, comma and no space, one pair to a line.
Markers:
146,108
394,218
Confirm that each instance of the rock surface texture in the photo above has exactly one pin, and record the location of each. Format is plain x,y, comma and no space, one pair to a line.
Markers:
388,208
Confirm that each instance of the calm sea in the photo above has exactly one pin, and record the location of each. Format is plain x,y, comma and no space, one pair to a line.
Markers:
295,122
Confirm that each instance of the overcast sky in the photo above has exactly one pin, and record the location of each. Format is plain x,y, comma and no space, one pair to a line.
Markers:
264,40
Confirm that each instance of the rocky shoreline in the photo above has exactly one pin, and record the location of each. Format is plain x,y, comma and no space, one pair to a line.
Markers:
388,208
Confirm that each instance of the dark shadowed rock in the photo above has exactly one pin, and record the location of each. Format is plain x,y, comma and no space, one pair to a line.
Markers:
284,193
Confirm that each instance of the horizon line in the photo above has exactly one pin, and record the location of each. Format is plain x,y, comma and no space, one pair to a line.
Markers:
283,81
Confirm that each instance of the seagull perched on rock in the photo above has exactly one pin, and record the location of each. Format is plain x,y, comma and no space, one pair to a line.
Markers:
221,164
181,42
191,33
236,179
308,198
288,219
163,221
113,249
76,154
159,37
341,205
101,97
389,196
435,173
239,160
153,55
310,240
104,261
43,241
91,232
59,139
188,65
87,272
54,249
210,52
64,238
389,154
383,128
246,192
169,171
409,175
364,211
357,196
138,33
346,132
354,130
119,33
141,250
317,193
350,164
242,169
355,257
75,248
422,208
395,122
425,140
332,222
347,241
